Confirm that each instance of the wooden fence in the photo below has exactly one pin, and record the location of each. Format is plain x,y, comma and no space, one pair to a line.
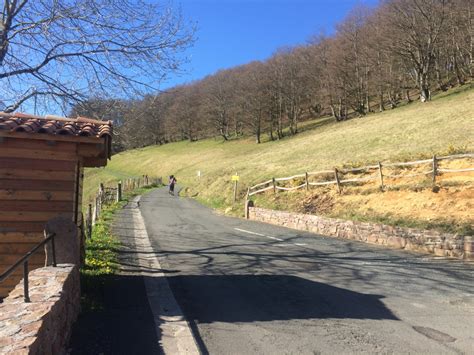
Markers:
377,172
107,195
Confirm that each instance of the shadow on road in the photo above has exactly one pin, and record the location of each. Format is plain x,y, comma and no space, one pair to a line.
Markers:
120,321
252,298
115,318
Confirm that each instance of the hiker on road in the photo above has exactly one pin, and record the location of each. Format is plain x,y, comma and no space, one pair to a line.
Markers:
172,182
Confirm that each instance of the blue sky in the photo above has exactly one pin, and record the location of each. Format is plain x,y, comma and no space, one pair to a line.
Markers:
233,32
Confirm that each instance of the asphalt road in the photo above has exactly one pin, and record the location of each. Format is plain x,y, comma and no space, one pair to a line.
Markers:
252,288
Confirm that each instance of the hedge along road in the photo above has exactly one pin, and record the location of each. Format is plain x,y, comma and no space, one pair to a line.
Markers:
247,287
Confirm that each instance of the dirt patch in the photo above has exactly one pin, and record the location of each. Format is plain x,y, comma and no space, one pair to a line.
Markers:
410,201
317,203
449,203
409,197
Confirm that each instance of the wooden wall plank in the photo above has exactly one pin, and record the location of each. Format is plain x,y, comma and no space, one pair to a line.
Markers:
25,216
9,173
27,227
36,206
90,150
37,164
18,249
7,259
43,145
11,282
37,154
56,137
21,237
31,265
30,184
41,195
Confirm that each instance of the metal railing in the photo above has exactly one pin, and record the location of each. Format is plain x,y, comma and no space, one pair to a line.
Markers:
24,260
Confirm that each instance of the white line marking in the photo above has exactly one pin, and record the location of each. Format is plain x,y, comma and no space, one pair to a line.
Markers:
274,238
269,237
249,232
171,325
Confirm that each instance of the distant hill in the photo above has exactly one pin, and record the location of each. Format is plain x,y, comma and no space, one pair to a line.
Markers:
444,125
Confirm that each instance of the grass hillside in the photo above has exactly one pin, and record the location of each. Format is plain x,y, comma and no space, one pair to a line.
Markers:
444,125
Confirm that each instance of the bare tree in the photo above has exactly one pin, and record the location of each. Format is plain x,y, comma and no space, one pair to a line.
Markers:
67,51
415,28
376,59
219,100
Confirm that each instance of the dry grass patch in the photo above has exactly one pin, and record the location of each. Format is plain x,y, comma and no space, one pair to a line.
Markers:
443,126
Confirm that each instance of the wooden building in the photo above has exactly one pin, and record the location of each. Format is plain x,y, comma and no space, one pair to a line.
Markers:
41,173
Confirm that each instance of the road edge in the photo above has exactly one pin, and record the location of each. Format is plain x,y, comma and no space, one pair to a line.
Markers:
172,328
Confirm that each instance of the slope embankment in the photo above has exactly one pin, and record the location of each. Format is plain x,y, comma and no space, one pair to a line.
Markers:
442,126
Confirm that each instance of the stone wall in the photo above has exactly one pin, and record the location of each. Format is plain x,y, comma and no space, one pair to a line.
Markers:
426,241
42,326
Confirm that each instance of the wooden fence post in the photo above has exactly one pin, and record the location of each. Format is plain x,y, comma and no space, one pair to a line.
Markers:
435,169
119,191
337,180
99,206
235,190
306,181
381,176
95,215
89,221
246,203
274,185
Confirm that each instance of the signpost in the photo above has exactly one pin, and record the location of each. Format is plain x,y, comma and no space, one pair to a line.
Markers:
235,179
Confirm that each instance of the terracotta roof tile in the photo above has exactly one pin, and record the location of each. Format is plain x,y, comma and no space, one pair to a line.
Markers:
55,125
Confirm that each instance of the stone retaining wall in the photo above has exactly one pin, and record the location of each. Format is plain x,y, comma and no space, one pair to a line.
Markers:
42,326
426,241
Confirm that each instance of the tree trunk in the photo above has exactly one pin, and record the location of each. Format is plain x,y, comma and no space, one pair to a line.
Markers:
224,135
280,118
439,80
471,35
425,94
393,101
381,104
333,111
340,114
295,120
270,133
367,90
407,96
257,135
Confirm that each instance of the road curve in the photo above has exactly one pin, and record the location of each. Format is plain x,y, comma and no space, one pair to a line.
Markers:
251,288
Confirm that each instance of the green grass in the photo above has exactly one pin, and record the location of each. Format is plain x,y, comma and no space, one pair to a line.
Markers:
444,125
101,259
101,248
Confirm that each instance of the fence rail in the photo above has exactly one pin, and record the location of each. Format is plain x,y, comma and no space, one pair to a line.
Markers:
376,172
107,195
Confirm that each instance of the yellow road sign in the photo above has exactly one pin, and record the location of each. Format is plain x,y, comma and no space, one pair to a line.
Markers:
235,177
